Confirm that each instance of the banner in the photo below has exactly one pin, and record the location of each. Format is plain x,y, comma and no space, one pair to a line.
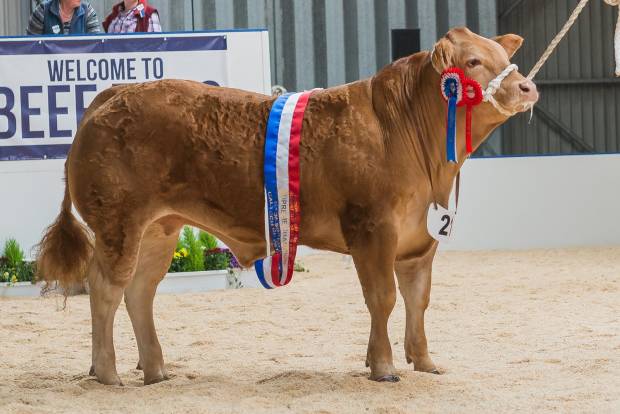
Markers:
46,83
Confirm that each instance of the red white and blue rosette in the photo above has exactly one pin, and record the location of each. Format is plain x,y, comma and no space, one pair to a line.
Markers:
452,91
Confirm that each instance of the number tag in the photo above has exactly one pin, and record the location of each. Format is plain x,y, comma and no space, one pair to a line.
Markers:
439,223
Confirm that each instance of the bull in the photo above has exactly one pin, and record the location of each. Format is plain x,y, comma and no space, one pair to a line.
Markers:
150,158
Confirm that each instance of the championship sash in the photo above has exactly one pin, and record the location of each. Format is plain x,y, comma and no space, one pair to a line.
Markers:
281,170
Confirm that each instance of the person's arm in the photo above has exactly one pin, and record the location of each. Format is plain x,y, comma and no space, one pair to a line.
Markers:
36,23
154,24
92,21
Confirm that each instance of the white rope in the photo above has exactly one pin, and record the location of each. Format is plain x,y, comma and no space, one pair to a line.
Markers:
494,86
558,38
617,36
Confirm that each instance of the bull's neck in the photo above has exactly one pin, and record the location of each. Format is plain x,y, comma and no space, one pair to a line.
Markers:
413,115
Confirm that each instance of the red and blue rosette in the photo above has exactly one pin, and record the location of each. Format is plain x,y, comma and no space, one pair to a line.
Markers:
452,83
472,96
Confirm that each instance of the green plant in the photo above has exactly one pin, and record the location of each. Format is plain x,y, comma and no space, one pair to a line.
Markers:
208,241
300,267
13,267
179,261
13,253
23,272
189,253
194,250
217,259
195,253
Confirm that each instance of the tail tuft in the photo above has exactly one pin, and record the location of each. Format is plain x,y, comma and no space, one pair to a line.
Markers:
65,251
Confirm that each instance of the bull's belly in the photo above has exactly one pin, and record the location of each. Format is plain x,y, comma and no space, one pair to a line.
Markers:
323,233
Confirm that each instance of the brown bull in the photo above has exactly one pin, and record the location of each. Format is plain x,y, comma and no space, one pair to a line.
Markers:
152,157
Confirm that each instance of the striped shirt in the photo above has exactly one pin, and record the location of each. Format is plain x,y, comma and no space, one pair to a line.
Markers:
126,22
36,26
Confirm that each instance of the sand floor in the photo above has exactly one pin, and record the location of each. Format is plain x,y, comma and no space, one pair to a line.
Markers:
533,331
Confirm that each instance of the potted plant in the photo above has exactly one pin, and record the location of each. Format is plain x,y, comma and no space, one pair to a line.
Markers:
199,265
16,273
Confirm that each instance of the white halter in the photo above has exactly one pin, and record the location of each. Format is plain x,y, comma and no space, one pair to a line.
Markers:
494,86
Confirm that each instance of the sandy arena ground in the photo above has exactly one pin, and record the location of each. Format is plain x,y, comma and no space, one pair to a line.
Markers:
533,331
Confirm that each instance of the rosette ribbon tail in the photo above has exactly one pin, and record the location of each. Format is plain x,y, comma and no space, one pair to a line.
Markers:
451,129
468,144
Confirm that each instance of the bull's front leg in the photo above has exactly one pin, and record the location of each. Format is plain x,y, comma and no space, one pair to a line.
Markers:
373,251
414,282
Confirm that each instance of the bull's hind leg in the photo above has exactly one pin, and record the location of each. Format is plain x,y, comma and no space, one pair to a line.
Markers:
414,282
156,250
373,255
111,270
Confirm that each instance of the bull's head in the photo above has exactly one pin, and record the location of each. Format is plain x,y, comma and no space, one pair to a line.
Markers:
483,60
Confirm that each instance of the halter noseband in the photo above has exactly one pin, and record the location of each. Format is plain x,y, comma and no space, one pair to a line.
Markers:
494,86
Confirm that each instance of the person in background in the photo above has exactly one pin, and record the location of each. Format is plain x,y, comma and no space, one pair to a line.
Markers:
131,16
63,17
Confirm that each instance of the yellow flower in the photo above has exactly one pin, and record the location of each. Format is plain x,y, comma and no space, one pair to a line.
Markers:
177,255
6,275
183,252
14,279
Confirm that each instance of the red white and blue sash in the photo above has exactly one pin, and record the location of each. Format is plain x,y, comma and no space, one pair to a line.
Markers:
281,169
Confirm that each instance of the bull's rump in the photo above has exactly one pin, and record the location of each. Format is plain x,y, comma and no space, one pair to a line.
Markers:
171,146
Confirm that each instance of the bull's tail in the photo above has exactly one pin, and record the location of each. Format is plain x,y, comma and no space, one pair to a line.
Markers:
66,249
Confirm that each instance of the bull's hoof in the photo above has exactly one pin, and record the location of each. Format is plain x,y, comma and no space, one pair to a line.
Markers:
111,378
388,378
428,370
155,380
139,367
111,381
91,372
424,365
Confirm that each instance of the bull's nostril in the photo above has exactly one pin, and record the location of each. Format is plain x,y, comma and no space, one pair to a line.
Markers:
524,87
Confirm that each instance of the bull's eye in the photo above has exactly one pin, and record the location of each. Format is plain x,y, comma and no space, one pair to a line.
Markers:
472,63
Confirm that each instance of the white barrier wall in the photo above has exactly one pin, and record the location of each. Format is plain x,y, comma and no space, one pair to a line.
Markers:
506,203
538,202
30,196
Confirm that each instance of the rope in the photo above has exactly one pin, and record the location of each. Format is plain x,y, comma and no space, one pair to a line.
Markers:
617,37
558,38
494,86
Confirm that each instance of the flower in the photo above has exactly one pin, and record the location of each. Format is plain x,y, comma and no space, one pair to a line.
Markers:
234,263
217,250
14,279
183,252
177,255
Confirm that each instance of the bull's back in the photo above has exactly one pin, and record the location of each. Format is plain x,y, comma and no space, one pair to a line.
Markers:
172,144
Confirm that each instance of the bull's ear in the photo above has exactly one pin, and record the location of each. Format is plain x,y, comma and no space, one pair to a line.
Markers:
443,55
510,42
